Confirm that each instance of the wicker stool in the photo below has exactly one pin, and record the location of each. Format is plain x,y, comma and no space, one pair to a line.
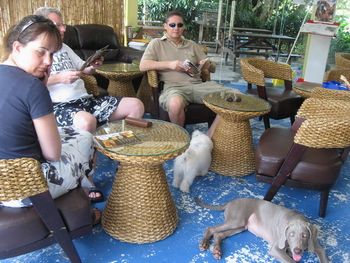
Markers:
233,153
140,208
120,77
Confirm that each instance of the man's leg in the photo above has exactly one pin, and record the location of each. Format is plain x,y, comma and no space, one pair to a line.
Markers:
213,126
85,121
128,107
176,110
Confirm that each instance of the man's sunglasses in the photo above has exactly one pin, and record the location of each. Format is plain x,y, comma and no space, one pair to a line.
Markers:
173,25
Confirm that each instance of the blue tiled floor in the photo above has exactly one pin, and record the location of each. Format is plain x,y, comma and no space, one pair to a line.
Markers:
182,245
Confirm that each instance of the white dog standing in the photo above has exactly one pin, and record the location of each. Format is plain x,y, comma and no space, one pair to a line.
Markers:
194,161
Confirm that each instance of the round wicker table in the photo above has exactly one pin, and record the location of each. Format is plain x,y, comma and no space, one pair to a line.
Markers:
140,208
305,88
233,153
120,77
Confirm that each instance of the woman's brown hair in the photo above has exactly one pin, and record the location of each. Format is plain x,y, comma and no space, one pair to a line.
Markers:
27,30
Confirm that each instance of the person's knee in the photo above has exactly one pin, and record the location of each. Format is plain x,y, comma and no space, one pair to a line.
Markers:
85,121
128,107
176,105
137,109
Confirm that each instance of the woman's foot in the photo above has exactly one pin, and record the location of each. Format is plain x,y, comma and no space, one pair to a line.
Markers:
95,195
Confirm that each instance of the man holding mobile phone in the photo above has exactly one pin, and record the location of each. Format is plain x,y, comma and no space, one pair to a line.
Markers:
72,104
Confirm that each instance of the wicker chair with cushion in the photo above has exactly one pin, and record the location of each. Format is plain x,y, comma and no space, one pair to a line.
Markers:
46,222
308,155
284,101
92,87
342,60
335,73
195,113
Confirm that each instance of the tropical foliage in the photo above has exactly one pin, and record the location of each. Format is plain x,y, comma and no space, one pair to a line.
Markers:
283,16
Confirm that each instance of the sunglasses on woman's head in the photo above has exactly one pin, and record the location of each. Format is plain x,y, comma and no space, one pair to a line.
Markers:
173,25
36,19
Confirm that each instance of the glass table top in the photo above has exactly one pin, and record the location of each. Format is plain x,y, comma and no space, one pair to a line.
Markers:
159,139
226,100
119,67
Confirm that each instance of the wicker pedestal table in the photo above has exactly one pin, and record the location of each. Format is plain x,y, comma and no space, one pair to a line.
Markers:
120,77
140,208
305,88
233,153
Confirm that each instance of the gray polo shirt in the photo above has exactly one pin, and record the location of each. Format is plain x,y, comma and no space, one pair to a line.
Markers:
162,49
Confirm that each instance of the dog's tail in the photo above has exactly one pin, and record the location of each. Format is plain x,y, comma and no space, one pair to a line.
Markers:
211,207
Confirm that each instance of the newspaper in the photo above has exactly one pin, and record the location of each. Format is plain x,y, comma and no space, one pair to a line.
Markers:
115,140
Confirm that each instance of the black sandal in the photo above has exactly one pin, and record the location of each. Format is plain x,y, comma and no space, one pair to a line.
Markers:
96,191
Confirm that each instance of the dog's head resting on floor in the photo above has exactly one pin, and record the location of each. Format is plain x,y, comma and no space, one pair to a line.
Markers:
298,237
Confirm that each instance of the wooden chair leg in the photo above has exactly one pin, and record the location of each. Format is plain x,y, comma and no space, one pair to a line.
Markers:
323,202
292,119
46,208
266,121
292,158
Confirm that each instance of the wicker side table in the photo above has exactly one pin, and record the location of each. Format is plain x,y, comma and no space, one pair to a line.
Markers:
120,76
233,153
140,208
305,88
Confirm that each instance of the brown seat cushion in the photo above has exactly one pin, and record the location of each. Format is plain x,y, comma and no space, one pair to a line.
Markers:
284,103
22,226
316,165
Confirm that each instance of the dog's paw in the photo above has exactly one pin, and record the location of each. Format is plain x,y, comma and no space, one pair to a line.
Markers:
216,252
204,245
185,189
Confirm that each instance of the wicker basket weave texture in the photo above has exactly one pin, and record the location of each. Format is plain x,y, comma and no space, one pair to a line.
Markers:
140,208
20,178
330,94
161,142
90,84
252,74
233,148
327,124
272,69
334,74
342,60
316,108
149,220
255,70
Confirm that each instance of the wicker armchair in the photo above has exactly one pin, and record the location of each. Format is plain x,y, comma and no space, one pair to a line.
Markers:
311,153
284,101
335,73
48,221
92,86
342,60
195,113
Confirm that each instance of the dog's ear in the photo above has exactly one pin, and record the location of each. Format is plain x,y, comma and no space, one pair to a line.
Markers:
313,237
281,242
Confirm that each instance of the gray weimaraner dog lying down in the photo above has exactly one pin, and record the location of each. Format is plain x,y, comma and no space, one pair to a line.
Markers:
287,232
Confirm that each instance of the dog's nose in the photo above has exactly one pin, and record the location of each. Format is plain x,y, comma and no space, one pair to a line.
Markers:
297,250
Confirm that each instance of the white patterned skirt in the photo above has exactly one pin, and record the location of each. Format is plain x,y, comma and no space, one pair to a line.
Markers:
75,164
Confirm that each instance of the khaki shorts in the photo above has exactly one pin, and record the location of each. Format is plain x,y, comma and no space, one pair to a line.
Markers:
191,93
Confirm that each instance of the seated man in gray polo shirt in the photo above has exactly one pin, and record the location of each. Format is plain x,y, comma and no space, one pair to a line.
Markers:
167,56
